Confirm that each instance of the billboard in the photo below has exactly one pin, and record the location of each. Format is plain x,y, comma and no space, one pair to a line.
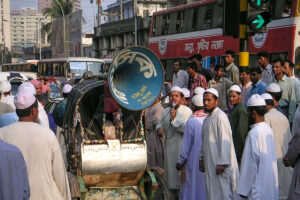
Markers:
71,45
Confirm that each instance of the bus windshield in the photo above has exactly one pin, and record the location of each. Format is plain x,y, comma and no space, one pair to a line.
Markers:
78,68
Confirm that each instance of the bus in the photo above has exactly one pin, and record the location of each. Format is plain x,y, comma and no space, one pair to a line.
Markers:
27,68
66,68
183,31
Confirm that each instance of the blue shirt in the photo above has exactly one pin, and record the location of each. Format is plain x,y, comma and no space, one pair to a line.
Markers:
258,88
14,183
8,119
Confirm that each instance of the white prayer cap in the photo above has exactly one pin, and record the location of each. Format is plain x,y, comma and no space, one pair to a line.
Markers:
176,88
186,92
267,96
27,86
198,100
24,99
273,87
256,100
5,86
235,88
212,91
199,90
67,88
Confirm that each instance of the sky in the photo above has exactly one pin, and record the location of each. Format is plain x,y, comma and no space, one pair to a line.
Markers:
89,10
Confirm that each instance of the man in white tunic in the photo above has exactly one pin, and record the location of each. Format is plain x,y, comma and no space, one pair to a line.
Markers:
7,97
172,126
217,156
46,172
282,136
259,176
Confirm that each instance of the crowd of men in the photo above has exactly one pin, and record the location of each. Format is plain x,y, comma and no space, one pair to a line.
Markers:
228,133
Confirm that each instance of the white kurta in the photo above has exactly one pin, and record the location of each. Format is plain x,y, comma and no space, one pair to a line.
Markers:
174,130
46,171
259,177
5,108
42,116
9,100
282,136
217,149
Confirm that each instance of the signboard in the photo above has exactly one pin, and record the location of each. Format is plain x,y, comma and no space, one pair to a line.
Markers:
71,45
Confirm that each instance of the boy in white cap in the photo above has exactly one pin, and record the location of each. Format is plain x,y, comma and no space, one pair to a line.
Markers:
189,155
186,97
238,120
275,91
7,97
282,136
217,156
47,175
199,90
258,175
172,126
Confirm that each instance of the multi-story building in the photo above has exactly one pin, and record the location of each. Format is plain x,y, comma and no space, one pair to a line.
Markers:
5,24
76,5
47,3
119,32
25,28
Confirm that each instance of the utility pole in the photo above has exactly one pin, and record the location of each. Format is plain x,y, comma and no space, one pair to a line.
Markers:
40,38
99,13
244,49
135,22
121,9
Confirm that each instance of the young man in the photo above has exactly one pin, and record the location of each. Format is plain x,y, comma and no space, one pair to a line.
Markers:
238,120
246,84
232,71
217,156
196,80
194,184
282,136
46,171
221,84
172,126
288,69
263,63
258,86
13,173
288,100
180,77
197,58
275,91
258,175
186,97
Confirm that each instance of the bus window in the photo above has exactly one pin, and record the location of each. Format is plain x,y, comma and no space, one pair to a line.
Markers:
78,68
173,24
179,22
282,8
188,20
208,16
154,27
159,24
201,16
95,67
217,17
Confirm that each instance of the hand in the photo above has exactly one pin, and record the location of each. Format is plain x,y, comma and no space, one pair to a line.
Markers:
160,132
173,113
179,166
201,166
220,169
286,162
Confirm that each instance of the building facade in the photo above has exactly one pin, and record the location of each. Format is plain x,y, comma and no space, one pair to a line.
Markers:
42,4
120,32
5,40
25,28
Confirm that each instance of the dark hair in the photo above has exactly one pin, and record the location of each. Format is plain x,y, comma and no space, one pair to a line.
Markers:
215,97
192,65
217,67
256,69
291,64
278,60
26,112
7,93
245,69
276,95
65,95
232,53
177,60
263,54
269,102
196,108
197,56
261,110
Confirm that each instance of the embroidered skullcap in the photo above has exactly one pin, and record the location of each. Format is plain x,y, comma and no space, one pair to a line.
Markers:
198,100
176,88
256,100
67,88
212,91
24,99
5,86
186,92
27,86
235,88
273,87
267,96
199,90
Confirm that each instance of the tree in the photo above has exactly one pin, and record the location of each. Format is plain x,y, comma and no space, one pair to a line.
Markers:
54,12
